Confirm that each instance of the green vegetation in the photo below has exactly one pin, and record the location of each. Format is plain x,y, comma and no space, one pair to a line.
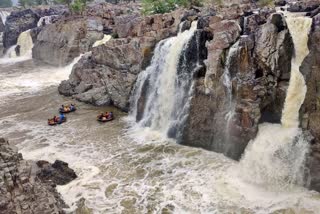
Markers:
164,6
5,3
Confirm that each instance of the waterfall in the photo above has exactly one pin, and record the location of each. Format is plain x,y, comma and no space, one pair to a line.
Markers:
25,43
227,81
165,86
276,157
46,20
21,51
104,40
3,16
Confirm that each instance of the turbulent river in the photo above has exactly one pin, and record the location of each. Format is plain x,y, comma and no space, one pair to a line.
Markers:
120,174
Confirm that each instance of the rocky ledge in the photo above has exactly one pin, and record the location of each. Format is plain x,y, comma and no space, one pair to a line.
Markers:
29,187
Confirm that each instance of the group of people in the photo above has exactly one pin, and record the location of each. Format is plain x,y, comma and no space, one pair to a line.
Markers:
69,108
105,116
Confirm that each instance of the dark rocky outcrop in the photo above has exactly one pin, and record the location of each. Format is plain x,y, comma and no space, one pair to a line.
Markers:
259,65
22,190
59,173
23,20
310,112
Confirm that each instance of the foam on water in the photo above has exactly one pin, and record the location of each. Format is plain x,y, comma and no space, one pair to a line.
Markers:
31,82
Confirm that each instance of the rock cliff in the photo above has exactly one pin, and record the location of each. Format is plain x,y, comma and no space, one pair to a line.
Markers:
27,187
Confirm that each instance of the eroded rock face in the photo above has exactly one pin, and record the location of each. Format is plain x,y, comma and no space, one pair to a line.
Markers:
256,64
310,112
107,75
59,43
21,189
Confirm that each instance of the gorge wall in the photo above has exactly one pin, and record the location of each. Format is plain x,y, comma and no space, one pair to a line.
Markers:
29,187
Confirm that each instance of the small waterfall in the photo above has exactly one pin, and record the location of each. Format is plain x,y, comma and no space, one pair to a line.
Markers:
164,87
21,51
3,16
25,43
103,41
46,20
276,158
227,82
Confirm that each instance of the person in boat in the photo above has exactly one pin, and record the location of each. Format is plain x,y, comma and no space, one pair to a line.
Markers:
72,107
55,118
61,118
110,115
100,116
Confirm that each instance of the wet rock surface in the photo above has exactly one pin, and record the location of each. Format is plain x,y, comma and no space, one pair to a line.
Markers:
21,188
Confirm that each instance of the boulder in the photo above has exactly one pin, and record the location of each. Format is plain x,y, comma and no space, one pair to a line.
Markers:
21,190
58,173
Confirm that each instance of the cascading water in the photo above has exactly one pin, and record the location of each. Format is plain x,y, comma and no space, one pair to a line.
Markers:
165,86
277,156
46,20
227,81
3,16
24,45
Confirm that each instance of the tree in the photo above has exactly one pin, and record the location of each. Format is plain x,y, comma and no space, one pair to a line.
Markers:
5,3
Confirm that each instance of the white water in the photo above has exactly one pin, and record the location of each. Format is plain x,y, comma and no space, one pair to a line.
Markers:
4,15
25,43
103,41
168,89
46,20
32,82
299,28
276,158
